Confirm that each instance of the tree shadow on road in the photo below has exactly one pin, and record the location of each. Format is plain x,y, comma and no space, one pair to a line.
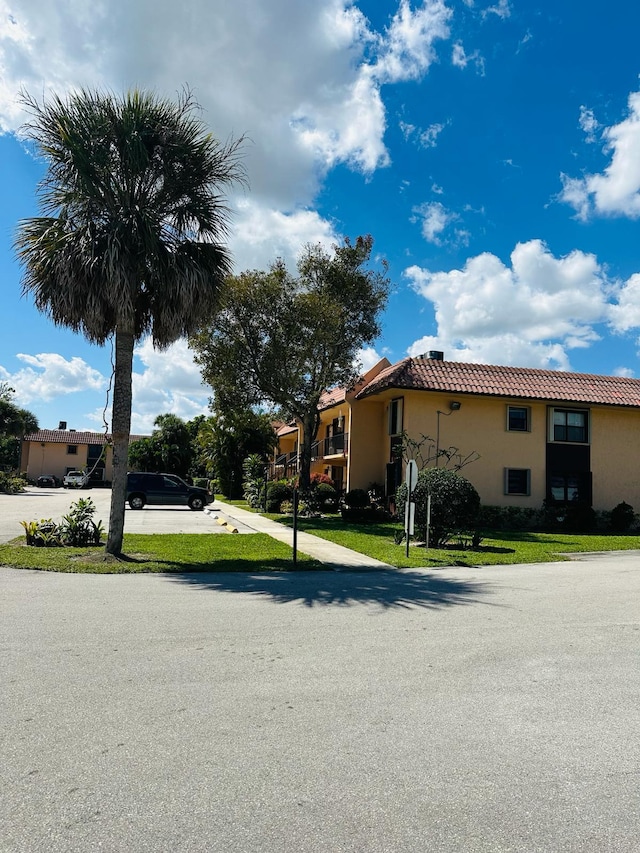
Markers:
388,589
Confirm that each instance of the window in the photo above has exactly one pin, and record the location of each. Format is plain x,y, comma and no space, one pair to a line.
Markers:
565,487
72,449
517,481
570,425
518,418
395,416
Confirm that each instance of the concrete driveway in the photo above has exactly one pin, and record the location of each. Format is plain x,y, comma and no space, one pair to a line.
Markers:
36,503
458,711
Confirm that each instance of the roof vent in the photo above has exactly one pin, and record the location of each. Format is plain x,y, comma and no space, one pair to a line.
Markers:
72,430
436,354
62,425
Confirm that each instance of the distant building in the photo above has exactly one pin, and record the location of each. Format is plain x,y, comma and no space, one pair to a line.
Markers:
58,451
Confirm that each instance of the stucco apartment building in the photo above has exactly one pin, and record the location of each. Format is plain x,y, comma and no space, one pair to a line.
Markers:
537,433
58,451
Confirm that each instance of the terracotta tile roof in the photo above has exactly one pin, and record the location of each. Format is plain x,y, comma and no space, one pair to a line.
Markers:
285,429
427,374
332,398
65,436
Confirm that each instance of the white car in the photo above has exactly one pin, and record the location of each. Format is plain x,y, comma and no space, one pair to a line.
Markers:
74,480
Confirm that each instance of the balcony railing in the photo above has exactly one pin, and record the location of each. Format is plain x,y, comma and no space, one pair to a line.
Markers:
336,445
284,466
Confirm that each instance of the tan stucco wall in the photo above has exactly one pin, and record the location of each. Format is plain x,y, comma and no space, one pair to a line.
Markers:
367,434
54,459
615,457
480,426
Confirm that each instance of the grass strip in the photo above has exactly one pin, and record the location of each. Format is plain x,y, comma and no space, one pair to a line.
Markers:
377,541
174,552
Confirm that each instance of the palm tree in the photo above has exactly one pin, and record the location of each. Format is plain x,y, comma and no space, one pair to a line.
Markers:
129,243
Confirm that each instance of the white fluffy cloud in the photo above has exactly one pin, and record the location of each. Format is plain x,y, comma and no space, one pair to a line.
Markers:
434,218
533,312
502,9
616,190
48,375
170,382
261,235
460,58
367,358
301,80
239,59
588,123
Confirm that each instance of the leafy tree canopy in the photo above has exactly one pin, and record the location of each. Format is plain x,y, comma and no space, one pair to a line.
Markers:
282,340
14,424
227,439
169,449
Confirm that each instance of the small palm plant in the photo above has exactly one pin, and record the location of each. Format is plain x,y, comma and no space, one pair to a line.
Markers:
77,528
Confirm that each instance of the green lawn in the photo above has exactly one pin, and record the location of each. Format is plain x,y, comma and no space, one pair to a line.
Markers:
258,552
377,540
176,552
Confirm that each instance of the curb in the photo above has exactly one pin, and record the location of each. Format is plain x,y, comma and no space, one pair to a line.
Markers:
222,521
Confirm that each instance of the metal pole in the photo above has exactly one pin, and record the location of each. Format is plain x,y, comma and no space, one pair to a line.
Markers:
295,526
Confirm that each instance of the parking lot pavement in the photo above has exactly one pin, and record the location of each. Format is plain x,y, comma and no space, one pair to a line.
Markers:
485,710
37,503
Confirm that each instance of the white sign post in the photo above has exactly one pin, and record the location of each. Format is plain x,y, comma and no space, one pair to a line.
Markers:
411,478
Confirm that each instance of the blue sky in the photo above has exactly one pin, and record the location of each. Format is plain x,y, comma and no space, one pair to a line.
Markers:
491,149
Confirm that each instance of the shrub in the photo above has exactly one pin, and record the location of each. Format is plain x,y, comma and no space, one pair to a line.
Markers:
278,491
323,498
622,517
357,499
574,517
509,518
77,528
321,479
11,484
44,533
455,505
201,482
361,514
253,480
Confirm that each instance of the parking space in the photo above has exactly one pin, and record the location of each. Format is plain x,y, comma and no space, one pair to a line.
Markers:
35,503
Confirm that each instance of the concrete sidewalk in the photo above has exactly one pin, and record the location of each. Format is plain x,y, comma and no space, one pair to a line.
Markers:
334,556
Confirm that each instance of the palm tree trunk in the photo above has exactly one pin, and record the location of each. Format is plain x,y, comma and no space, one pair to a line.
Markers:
120,429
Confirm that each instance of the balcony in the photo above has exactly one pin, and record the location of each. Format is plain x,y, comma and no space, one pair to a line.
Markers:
285,466
336,445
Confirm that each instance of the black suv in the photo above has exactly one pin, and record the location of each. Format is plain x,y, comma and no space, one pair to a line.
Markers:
165,489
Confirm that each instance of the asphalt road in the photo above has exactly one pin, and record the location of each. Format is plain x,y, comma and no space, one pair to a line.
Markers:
456,711
36,503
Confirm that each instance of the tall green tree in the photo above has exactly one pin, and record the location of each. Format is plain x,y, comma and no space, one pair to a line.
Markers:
130,240
15,423
169,449
283,340
227,438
